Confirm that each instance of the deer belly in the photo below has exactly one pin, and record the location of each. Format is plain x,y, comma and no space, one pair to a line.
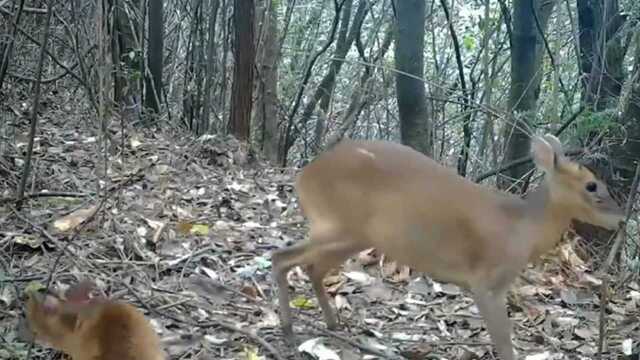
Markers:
440,251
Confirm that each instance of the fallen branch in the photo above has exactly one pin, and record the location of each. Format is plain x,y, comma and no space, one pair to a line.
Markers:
46,194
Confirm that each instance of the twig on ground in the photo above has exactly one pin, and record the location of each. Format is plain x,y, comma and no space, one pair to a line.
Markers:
45,194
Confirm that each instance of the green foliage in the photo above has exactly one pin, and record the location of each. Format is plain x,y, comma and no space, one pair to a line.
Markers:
599,121
469,42
132,58
135,75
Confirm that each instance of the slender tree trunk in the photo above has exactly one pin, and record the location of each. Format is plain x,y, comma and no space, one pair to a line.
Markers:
526,59
626,154
268,85
601,52
153,93
210,67
244,55
415,126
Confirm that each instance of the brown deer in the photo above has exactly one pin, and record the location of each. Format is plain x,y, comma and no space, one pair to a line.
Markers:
377,194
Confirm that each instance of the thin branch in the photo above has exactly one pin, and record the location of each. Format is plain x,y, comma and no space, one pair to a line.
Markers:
526,159
463,157
628,211
53,58
534,10
288,135
507,20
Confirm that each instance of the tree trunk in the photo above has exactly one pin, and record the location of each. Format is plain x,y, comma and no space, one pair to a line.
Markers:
415,127
126,90
268,85
626,153
600,67
244,56
203,128
153,88
526,58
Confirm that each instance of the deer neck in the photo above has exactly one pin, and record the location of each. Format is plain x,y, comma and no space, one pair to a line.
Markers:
547,217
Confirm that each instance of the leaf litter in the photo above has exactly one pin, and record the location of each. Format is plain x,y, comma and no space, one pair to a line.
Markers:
187,234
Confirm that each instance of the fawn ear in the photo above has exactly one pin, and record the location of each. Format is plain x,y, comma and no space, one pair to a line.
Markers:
543,153
79,301
80,292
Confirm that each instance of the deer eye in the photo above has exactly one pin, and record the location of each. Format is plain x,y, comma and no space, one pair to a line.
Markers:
591,187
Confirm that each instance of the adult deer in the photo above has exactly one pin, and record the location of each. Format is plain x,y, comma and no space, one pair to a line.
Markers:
364,194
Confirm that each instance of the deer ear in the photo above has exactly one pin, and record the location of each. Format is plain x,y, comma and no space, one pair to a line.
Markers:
80,292
543,153
555,144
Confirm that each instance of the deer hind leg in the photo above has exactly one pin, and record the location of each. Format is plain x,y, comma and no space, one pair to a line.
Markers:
332,255
282,261
322,253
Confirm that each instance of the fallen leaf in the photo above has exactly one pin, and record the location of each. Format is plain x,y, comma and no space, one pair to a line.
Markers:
318,350
250,291
29,240
251,353
627,347
541,356
360,277
404,274
389,268
584,333
74,219
200,229
367,257
342,302
302,302
135,142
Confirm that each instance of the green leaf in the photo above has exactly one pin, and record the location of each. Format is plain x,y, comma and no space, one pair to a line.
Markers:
302,302
469,42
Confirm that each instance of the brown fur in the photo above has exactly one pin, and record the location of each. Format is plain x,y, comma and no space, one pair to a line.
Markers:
364,194
93,329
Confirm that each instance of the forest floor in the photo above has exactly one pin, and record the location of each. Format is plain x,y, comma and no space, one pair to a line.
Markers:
186,231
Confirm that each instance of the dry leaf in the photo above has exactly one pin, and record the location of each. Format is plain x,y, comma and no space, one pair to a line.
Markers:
318,350
73,220
404,274
368,257
29,240
302,302
250,291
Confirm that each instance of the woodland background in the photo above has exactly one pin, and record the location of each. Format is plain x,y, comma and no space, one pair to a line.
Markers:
146,143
